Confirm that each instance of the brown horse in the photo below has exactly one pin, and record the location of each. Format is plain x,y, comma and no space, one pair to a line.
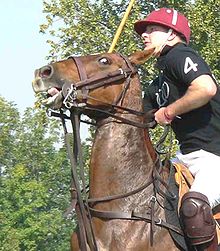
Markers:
123,158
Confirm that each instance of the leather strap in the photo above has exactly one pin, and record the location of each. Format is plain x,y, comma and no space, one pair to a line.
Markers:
80,68
132,216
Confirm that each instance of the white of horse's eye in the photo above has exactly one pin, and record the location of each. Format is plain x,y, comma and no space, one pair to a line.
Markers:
104,61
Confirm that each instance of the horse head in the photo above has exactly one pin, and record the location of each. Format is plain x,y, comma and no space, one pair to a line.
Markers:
97,79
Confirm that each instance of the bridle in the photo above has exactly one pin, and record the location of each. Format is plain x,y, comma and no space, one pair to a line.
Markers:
75,99
77,94
82,88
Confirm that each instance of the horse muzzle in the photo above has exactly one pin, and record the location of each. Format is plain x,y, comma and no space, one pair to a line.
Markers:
47,91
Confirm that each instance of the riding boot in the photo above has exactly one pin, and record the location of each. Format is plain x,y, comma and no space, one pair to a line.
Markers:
197,222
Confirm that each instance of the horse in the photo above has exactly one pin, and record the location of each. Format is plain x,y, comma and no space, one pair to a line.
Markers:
107,88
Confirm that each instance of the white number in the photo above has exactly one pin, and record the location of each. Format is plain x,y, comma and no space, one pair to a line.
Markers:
189,65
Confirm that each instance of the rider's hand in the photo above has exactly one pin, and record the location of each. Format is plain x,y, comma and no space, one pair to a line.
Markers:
162,117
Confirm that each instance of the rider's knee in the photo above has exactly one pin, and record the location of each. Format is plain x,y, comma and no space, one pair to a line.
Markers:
196,218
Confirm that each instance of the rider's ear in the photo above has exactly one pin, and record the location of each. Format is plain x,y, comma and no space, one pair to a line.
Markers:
140,57
172,36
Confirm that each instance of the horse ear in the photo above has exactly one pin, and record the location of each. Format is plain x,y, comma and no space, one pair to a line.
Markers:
140,57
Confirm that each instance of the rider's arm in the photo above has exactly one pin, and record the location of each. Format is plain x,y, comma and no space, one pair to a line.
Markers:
199,92
188,69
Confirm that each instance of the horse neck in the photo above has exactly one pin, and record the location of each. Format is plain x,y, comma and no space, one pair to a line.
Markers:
120,159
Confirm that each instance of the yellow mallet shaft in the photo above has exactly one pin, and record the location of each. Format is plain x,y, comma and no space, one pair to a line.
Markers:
119,30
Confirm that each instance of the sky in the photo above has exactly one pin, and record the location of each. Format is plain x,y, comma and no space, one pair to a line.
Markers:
22,50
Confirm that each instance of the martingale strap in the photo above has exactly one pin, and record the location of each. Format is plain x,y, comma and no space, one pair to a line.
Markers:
85,228
86,232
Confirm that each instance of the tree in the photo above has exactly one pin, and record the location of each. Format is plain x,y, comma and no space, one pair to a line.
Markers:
204,16
86,27
8,124
35,179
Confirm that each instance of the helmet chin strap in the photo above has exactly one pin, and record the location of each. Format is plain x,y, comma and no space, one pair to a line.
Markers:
159,48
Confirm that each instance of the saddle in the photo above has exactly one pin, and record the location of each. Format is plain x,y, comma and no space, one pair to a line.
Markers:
184,180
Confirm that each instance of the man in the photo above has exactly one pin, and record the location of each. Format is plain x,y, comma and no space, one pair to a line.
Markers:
187,96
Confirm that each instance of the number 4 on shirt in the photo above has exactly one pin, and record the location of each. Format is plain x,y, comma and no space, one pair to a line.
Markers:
189,65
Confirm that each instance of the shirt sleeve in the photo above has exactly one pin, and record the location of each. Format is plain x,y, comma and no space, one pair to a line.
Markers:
185,66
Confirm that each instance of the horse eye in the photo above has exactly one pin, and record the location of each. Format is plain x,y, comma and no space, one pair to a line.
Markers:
104,61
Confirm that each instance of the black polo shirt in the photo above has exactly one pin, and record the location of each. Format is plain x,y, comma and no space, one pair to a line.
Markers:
197,129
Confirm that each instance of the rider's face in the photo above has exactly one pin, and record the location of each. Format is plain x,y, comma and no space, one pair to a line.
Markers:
154,35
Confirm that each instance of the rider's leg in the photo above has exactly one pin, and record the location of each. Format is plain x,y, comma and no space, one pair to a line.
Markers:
197,220
205,168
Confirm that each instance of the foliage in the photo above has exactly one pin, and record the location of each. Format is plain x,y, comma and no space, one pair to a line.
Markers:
8,123
206,37
35,178
86,27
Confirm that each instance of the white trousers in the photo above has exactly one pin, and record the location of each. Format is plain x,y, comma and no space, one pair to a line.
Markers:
205,167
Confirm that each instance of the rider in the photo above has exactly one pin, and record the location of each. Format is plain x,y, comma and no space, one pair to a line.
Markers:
187,97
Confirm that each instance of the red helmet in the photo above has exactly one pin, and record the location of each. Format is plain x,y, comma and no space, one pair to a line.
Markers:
166,17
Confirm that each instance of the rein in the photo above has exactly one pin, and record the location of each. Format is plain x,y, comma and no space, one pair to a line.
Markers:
75,96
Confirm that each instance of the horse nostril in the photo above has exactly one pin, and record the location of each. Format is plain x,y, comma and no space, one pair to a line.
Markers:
46,71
